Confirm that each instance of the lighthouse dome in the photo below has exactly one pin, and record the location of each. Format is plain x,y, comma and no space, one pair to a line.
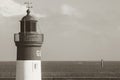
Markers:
28,17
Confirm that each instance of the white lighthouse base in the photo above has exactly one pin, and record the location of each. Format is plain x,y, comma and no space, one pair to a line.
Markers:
28,70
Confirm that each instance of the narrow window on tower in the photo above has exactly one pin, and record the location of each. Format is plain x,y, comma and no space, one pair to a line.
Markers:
35,66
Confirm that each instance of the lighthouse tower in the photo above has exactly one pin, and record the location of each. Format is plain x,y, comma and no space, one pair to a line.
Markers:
28,42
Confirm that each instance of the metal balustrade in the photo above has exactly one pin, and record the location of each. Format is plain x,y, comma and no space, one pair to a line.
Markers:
28,37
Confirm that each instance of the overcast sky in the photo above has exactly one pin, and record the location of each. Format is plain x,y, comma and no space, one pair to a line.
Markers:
74,29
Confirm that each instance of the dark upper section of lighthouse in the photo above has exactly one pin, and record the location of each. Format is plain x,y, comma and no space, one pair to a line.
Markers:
28,23
28,35
28,40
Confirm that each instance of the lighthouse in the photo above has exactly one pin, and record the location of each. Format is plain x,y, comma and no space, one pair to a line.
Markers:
28,42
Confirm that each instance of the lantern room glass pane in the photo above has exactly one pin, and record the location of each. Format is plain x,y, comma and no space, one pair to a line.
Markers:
22,27
28,26
33,26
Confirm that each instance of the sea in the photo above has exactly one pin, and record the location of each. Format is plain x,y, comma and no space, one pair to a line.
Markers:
69,70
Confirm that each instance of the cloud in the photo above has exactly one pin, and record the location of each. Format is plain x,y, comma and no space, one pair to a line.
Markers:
9,8
73,33
69,10
78,29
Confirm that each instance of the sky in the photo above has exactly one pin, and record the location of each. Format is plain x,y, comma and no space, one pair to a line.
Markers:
74,30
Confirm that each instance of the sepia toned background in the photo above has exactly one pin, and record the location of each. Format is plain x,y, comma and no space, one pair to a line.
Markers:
73,29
